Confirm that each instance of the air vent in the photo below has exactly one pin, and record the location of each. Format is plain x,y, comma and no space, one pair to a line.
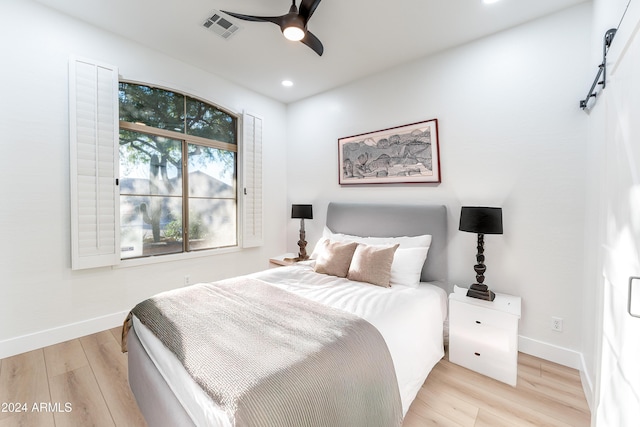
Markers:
220,25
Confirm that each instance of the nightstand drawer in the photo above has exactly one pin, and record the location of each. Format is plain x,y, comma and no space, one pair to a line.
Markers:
490,349
485,359
483,338
475,317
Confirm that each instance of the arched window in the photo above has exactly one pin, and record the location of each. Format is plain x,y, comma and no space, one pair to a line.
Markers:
178,173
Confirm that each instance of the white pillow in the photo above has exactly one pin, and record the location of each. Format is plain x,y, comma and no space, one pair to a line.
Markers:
404,241
407,266
318,248
407,261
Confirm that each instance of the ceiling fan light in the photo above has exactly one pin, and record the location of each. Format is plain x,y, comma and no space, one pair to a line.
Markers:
293,33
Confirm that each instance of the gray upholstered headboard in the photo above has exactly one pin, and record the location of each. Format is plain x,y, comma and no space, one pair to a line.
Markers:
378,220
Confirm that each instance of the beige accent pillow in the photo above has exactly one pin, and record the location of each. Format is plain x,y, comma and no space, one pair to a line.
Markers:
334,258
372,264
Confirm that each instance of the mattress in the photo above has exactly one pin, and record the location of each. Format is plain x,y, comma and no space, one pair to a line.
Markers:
410,319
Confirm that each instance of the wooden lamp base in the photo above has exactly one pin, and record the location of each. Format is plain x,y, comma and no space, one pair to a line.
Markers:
481,292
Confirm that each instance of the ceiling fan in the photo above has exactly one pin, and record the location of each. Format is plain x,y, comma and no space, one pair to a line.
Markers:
293,25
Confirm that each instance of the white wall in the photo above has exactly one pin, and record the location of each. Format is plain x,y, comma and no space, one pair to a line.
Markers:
39,294
511,135
606,15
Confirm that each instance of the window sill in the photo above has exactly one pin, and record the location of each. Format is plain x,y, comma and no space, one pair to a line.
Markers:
157,259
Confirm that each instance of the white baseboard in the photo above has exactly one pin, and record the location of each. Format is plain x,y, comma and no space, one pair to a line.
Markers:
587,385
560,355
563,356
48,337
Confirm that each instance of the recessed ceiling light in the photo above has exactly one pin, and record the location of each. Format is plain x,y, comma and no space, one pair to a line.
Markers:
490,1
287,83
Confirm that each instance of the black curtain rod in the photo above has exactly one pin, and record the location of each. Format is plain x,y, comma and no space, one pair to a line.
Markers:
602,68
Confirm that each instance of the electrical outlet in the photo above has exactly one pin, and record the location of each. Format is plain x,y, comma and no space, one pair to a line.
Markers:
187,280
556,324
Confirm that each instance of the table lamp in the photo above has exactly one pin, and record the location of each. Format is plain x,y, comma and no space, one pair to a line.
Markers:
481,220
303,212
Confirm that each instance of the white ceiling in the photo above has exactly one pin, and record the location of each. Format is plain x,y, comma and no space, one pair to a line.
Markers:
360,37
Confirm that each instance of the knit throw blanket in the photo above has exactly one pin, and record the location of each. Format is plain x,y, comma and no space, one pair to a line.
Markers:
268,357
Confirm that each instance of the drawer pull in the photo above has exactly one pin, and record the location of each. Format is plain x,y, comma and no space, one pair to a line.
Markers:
478,322
477,354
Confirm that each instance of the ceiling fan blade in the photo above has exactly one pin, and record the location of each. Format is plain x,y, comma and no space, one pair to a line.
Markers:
307,7
313,42
275,19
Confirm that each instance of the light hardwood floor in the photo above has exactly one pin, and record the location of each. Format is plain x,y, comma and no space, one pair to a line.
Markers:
546,394
83,382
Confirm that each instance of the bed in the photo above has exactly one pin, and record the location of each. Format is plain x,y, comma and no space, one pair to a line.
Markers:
408,318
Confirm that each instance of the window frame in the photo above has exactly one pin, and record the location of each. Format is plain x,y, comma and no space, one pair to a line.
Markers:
186,139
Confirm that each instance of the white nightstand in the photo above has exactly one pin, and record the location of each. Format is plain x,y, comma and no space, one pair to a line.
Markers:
483,335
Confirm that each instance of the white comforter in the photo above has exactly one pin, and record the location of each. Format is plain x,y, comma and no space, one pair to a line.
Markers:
410,320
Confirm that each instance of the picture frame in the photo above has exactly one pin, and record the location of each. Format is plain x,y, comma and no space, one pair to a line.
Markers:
403,154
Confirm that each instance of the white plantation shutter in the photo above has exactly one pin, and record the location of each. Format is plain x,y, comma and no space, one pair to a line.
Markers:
252,234
93,117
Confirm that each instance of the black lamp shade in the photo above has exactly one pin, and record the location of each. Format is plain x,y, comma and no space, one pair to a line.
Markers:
302,211
481,220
